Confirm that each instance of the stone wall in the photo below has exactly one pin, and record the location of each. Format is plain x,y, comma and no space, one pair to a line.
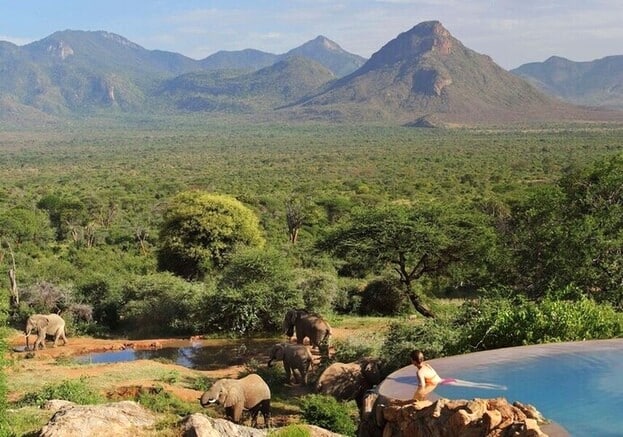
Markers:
384,417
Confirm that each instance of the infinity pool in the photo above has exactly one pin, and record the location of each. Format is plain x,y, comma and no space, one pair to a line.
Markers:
578,385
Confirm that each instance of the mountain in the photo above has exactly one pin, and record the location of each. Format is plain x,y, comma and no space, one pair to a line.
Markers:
329,54
426,76
320,49
248,59
595,83
219,91
79,71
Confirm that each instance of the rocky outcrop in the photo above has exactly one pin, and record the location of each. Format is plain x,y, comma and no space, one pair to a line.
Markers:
115,419
450,418
198,425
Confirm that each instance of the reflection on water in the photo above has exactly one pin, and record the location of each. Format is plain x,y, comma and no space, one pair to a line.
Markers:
199,355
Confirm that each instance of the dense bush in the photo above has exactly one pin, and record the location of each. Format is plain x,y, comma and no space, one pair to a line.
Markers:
504,322
200,230
160,304
382,297
434,337
326,412
318,289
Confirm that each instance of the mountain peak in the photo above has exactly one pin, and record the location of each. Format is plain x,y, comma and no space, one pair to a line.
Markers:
424,38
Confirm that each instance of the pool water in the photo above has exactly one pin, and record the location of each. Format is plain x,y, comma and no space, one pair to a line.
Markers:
577,385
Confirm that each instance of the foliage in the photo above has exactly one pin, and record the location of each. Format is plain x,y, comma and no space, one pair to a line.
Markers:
160,303
318,289
201,383
357,346
434,337
504,322
413,240
73,390
253,294
570,233
3,364
290,431
164,402
201,229
382,297
326,412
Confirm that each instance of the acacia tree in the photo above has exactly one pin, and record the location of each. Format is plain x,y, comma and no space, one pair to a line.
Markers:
412,240
201,229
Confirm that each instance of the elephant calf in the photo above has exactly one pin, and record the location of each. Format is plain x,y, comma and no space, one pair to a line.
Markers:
248,393
295,357
45,324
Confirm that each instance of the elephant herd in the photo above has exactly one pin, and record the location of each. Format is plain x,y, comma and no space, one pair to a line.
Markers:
344,381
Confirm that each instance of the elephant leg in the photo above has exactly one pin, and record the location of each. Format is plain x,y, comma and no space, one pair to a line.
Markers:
265,408
254,412
40,339
288,371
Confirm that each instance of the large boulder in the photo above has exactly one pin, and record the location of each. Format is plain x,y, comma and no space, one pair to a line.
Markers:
114,419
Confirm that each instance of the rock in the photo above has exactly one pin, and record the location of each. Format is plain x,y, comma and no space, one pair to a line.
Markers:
115,419
199,425
447,418
56,404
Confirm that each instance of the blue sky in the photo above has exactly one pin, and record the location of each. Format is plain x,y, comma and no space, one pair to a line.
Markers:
512,32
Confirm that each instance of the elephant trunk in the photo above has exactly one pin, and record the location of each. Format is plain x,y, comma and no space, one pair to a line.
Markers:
270,362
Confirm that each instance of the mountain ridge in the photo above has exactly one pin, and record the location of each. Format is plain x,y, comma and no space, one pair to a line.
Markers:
422,77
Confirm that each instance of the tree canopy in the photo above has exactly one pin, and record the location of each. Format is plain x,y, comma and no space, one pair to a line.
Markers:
412,240
200,230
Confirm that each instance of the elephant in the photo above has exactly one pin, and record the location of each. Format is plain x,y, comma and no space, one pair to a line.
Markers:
347,381
248,393
45,324
306,324
295,357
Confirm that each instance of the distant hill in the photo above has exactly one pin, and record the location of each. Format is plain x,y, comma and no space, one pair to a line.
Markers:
595,83
283,82
320,49
329,54
248,59
425,76
78,71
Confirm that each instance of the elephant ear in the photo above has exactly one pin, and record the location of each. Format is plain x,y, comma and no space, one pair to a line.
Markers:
288,322
232,394
43,322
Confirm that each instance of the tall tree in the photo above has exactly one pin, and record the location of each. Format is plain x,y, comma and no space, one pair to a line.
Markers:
201,229
413,240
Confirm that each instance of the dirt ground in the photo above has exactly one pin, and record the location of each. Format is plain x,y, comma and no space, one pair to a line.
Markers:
49,365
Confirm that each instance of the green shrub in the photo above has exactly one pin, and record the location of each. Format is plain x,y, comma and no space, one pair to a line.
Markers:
73,390
326,412
201,383
505,322
290,431
318,290
382,297
358,345
164,402
435,337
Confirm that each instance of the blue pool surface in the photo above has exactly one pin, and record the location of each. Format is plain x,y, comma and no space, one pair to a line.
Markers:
578,385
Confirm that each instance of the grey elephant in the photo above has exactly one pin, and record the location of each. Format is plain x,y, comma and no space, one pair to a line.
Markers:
248,393
45,324
295,357
347,381
306,324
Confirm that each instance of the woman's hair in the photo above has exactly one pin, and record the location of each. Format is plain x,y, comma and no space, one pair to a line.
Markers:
417,356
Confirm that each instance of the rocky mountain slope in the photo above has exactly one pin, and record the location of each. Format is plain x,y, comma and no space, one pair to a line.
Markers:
426,76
